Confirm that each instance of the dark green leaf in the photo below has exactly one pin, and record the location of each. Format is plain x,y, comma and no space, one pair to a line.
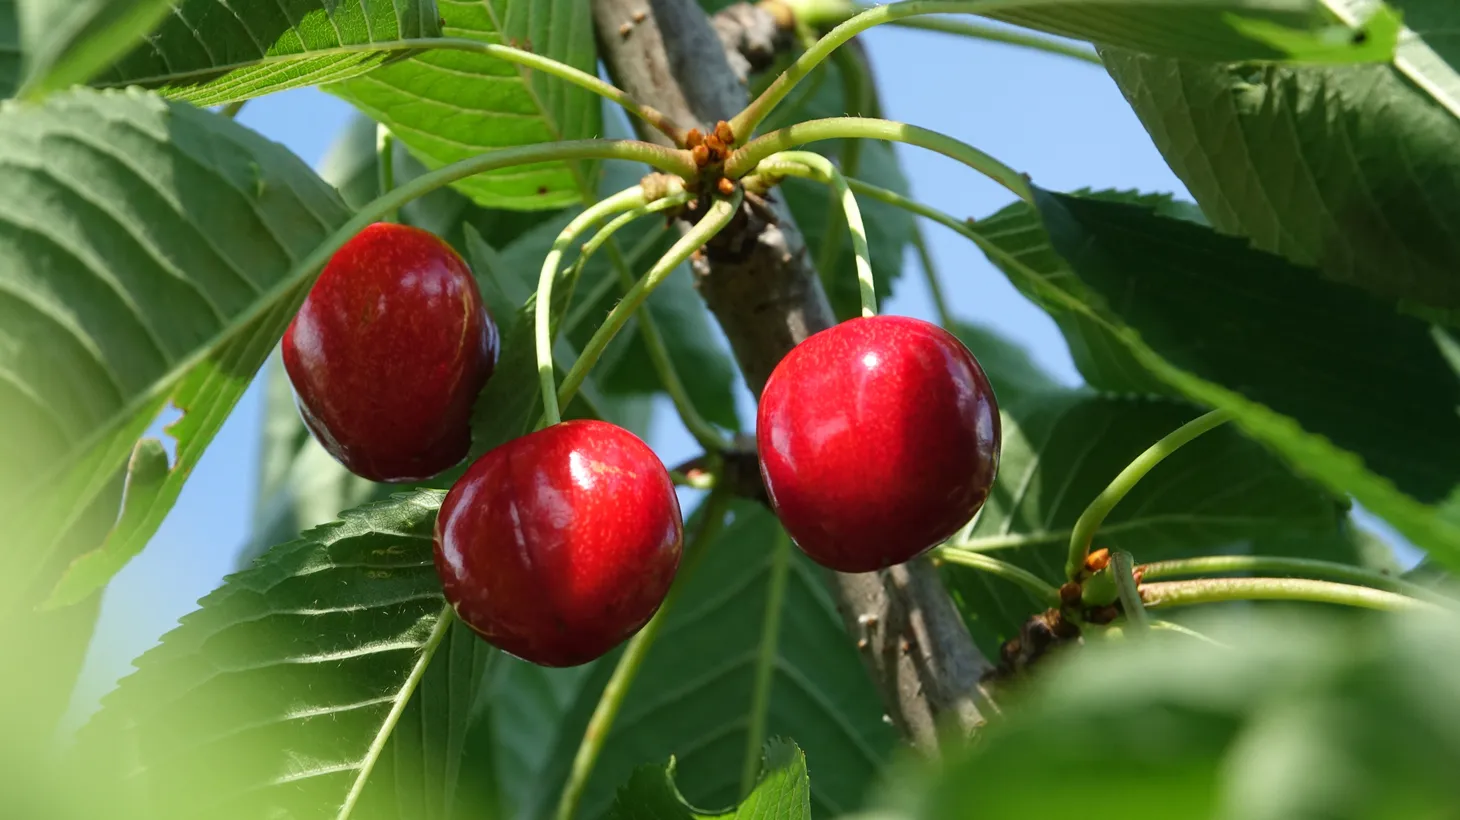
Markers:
213,51
1232,31
1292,717
277,695
450,105
1222,493
64,42
1353,170
148,253
693,698
10,57
783,792
1350,392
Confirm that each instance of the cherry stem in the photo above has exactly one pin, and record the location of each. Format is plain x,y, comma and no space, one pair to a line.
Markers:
713,222
1094,514
809,165
930,273
632,659
1167,594
698,426
753,114
1301,567
698,481
1042,590
385,165
231,110
820,16
625,200
1123,567
747,158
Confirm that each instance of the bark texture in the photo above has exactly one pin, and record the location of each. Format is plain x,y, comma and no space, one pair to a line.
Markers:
760,285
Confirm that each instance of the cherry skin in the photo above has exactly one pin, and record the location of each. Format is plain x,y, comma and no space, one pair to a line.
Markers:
559,545
878,438
388,353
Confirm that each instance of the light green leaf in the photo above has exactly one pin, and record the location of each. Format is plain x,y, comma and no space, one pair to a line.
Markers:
1354,171
695,696
450,105
1221,30
1222,493
278,695
212,51
1280,348
1291,715
783,793
148,255
64,42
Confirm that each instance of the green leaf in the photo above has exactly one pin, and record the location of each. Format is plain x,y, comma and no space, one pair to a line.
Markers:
783,793
1221,30
1354,170
1222,493
450,105
146,476
10,54
694,698
148,255
1279,347
1291,716
278,695
64,42
211,51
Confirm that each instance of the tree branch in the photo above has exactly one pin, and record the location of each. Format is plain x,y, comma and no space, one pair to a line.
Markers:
757,281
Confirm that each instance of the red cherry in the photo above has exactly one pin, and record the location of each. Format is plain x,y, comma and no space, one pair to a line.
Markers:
388,353
878,438
559,545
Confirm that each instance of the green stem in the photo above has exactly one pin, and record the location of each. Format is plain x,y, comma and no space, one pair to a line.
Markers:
625,200
1167,594
702,481
698,426
765,662
231,110
1123,568
630,661
1305,567
744,123
748,157
962,28
930,272
605,284
692,240
385,163
564,72
815,166
1168,626
860,101
1042,590
1090,520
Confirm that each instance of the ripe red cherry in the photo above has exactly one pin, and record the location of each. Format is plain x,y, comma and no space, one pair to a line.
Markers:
559,545
388,353
878,438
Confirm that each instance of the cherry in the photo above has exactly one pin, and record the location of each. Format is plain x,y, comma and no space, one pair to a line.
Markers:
559,545
878,439
388,353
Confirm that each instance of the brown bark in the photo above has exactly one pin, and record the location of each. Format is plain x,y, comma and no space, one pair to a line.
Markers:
757,280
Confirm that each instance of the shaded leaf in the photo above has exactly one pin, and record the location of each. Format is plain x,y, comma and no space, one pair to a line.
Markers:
1222,493
1352,170
212,51
1294,716
148,253
10,58
276,696
1280,348
693,697
1220,30
783,793
450,105
65,42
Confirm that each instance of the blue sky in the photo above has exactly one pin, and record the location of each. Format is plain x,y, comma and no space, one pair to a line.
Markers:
1060,120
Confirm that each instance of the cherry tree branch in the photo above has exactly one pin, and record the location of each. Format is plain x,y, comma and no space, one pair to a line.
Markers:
757,281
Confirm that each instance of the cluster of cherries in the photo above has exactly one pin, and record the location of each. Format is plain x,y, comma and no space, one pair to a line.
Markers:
878,438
